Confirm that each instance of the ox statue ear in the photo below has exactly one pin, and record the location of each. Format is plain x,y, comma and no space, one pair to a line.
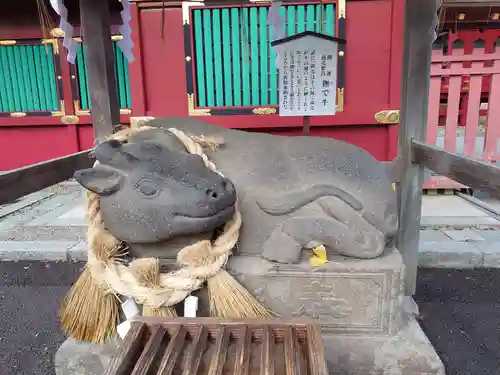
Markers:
107,150
100,180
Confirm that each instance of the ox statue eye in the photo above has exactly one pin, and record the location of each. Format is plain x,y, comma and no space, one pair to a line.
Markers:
147,188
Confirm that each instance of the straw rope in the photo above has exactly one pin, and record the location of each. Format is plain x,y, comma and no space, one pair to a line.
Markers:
198,262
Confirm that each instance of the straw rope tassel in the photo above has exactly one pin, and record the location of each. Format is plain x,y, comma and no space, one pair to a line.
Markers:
90,310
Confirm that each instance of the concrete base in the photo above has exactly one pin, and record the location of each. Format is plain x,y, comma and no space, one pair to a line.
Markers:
406,353
82,358
409,352
367,324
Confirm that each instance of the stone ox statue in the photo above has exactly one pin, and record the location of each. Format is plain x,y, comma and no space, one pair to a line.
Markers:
293,193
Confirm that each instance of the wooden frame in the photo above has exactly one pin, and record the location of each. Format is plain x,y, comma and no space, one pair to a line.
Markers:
75,84
58,75
242,347
414,154
190,56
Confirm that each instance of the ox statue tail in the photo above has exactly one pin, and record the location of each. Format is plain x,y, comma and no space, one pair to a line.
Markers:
292,200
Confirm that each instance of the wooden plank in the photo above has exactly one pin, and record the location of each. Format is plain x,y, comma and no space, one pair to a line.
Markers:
95,22
417,45
130,350
316,360
245,55
292,364
201,94
459,71
472,121
439,57
196,351
493,125
466,170
27,180
263,55
226,44
254,58
174,348
267,352
143,365
471,3
208,57
433,114
236,54
217,49
242,361
298,323
453,108
220,352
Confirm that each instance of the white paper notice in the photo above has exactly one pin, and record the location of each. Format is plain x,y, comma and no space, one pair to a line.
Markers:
308,77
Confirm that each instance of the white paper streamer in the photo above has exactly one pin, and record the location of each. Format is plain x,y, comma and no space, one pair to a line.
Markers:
190,306
276,20
126,43
65,26
435,23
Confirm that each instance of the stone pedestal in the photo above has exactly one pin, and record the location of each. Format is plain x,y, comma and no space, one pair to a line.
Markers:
81,358
358,303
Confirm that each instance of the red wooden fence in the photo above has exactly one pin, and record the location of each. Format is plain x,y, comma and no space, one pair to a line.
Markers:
479,68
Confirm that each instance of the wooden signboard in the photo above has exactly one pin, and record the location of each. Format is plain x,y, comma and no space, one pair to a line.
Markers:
307,64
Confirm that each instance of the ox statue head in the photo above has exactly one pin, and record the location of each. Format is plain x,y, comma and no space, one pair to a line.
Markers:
150,192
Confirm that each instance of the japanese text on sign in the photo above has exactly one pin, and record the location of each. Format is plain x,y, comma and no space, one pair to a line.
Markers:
308,79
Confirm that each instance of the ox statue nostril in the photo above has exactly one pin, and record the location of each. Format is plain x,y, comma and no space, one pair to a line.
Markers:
212,193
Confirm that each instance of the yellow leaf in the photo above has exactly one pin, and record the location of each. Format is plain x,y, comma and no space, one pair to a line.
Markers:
394,186
314,261
319,256
320,252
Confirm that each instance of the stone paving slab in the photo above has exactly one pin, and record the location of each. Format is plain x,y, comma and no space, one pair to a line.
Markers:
51,225
436,250
453,211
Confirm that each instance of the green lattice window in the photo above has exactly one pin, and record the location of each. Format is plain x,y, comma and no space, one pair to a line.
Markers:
28,77
233,59
121,74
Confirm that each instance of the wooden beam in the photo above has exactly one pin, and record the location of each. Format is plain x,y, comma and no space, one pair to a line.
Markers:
96,24
417,50
468,171
470,3
23,181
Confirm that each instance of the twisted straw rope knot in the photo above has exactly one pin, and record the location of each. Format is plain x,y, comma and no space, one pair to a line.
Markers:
198,262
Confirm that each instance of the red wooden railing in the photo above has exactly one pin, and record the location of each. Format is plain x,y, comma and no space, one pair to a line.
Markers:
479,68
467,41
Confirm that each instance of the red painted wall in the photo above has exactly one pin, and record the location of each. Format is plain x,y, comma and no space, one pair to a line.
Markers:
158,84
372,81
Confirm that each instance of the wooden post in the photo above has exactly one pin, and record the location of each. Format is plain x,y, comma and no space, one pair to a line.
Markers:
417,50
95,21
306,125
